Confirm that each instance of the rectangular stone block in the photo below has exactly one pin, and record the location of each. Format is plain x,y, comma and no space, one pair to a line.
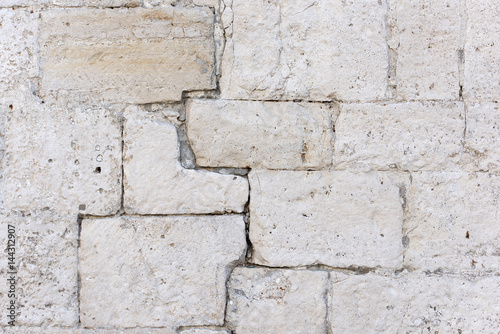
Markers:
407,136
44,250
79,330
482,137
157,271
482,63
68,161
336,218
263,301
155,181
312,50
71,3
428,57
413,303
130,55
453,222
273,135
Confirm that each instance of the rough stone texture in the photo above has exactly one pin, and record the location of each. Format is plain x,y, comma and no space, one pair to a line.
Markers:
482,138
204,331
313,50
130,55
277,301
55,330
413,304
71,3
427,62
482,63
272,135
453,222
156,183
407,136
46,265
165,271
65,160
339,219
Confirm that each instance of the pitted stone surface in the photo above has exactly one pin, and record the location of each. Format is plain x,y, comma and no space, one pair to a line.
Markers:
413,304
407,136
204,331
275,135
130,55
156,183
77,330
46,264
340,219
312,50
164,271
66,160
452,222
265,301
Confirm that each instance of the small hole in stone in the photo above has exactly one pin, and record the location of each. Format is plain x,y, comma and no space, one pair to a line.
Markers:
467,235
98,170
11,106
50,160
82,207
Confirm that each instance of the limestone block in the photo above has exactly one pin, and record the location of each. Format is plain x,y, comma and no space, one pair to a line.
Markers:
277,301
452,222
130,55
157,271
204,331
156,183
77,330
482,63
313,50
65,160
429,39
18,45
45,261
482,137
340,219
71,3
279,135
407,136
413,304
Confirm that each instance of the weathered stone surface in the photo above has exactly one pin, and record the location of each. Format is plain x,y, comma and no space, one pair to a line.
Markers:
71,3
427,62
314,50
77,330
46,264
413,304
65,160
482,138
452,222
18,45
482,63
165,271
280,135
156,183
130,55
277,301
204,331
407,136
339,219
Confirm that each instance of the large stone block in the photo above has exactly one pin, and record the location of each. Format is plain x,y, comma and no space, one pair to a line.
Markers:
79,330
428,57
273,301
275,135
453,222
71,3
482,63
66,160
407,136
312,50
129,55
339,219
156,183
413,304
157,271
45,263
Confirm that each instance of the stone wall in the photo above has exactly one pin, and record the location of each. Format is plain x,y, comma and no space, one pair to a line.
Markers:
237,166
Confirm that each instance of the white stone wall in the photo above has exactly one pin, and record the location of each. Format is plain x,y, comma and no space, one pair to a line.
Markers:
250,166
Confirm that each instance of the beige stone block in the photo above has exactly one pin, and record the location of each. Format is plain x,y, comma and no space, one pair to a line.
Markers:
406,136
156,183
413,304
157,271
336,218
312,50
452,222
277,301
273,135
130,55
